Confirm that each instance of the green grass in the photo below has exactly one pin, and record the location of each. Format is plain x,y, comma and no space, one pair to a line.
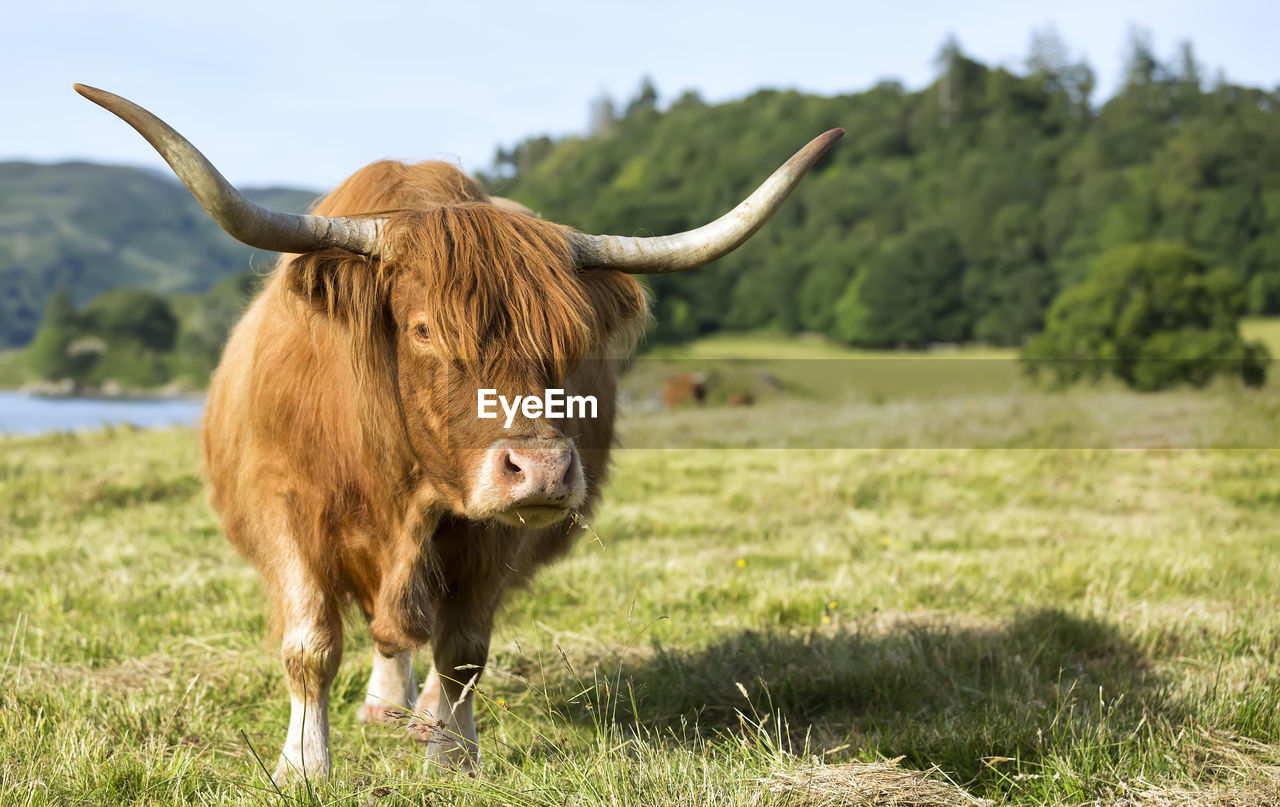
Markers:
13,369
810,367
1265,328
1026,624
768,346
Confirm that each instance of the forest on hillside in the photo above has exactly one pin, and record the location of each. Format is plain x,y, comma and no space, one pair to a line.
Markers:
955,213
89,228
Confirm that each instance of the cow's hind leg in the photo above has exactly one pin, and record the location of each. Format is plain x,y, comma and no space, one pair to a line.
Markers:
391,690
311,650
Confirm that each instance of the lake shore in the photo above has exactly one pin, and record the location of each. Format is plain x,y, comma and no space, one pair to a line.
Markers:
110,391
24,413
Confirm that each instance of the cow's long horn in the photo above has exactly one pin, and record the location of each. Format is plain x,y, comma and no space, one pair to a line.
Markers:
245,221
689,250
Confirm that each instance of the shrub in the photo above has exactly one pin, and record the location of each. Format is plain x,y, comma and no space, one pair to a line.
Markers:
1152,315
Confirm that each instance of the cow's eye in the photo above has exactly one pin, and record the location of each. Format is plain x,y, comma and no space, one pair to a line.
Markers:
421,332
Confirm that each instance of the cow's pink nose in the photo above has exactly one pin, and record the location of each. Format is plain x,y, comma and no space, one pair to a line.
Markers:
538,476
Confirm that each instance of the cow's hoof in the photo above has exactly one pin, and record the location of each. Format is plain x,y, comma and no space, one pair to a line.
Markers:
375,714
289,773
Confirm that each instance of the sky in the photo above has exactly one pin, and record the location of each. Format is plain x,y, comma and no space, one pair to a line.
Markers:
302,94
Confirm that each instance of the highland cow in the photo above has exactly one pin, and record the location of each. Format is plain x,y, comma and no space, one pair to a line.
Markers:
341,439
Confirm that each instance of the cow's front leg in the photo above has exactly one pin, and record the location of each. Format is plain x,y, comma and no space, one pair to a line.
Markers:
391,690
445,714
311,651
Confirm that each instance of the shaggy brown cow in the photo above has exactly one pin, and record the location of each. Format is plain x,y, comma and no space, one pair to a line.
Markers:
341,436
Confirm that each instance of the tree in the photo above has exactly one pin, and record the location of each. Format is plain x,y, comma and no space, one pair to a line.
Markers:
912,293
1153,315
1048,61
645,100
1009,287
133,315
602,117
1141,65
59,327
1047,54
957,84
206,326
1188,70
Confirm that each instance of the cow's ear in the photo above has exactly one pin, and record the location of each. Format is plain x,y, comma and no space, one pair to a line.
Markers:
621,307
337,283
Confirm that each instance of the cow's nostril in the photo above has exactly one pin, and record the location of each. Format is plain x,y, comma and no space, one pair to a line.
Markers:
511,466
567,479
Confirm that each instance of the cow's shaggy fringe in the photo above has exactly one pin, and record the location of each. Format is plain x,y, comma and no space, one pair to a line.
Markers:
502,287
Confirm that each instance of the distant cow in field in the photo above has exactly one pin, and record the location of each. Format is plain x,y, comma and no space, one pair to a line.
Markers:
681,388
343,436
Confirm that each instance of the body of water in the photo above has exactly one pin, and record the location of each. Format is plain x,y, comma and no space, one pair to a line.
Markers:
26,414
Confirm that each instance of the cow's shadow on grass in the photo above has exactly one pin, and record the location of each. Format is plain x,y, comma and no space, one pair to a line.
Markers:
1043,683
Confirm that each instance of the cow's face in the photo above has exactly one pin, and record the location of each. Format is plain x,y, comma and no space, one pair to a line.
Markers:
522,472
513,321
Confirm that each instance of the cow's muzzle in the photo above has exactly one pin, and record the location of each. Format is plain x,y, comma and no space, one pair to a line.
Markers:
533,482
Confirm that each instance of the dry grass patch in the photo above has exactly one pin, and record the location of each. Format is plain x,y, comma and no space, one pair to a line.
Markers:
869,784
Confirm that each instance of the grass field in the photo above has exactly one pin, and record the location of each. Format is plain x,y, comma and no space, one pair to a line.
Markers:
13,369
1265,328
1017,623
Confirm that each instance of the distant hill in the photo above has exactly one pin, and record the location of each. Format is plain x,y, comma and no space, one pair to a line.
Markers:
90,227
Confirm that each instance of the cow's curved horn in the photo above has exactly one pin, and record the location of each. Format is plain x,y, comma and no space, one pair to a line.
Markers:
245,221
689,250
